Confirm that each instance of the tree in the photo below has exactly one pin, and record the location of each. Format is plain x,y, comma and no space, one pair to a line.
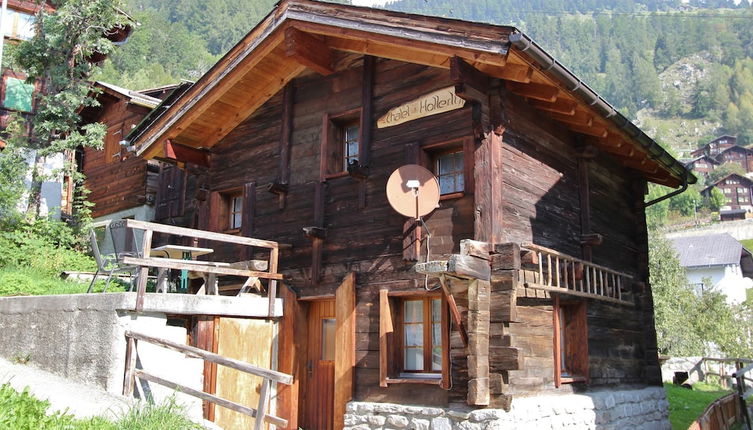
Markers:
715,199
674,302
58,56
686,203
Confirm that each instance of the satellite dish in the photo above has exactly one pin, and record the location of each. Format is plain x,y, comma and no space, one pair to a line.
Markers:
413,191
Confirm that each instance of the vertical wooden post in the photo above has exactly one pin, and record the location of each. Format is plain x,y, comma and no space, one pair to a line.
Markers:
345,340
385,334
584,154
146,248
488,190
274,255
286,131
129,377
292,355
261,409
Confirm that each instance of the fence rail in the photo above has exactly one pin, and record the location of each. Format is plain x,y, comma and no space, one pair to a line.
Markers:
721,414
550,270
268,376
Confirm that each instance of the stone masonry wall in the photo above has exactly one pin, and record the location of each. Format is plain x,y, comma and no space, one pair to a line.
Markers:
645,408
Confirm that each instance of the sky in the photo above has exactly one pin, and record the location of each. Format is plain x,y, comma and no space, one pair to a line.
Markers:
370,2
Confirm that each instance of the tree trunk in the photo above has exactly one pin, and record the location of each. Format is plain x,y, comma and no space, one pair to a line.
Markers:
35,190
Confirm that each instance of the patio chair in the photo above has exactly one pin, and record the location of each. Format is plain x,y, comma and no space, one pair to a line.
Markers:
107,263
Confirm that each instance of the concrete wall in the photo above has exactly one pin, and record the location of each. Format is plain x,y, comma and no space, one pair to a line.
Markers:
81,336
727,279
645,408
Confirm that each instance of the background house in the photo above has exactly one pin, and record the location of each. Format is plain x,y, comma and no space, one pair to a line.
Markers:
717,258
737,189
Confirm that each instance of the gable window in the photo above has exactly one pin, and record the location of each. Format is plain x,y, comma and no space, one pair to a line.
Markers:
341,136
414,339
570,342
17,94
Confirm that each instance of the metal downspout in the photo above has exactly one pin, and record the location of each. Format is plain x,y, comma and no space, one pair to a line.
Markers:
672,194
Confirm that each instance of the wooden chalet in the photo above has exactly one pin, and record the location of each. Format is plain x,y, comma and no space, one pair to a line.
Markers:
534,279
121,184
716,146
702,165
737,189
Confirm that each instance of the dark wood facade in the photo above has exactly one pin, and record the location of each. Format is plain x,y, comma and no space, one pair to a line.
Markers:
116,179
535,172
738,190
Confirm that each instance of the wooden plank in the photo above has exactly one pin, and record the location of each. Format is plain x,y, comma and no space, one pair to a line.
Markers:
595,296
345,332
130,367
514,72
386,331
292,356
467,266
367,110
580,117
188,265
454,311
250,341
146,248
248,213
274,257
488,183
542,92
214,358
308,50
209,397
592,130
201,234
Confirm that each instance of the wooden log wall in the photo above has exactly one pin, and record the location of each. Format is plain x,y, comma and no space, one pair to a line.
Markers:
120,183
362,234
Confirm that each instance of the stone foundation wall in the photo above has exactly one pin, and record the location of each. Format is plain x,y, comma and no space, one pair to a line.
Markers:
645,408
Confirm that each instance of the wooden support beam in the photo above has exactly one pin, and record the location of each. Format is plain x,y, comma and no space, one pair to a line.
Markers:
454,311
462,73
315,232
643,165
488,190
470,94
543,92
367,110
581,118
618,148
176,152
514,73
584,191
308,50
593,130
560,106
345,339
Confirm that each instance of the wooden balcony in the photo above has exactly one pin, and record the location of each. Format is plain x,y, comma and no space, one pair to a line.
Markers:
549,270
253,271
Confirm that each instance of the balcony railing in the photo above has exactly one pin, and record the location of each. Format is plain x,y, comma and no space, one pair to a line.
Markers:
546,269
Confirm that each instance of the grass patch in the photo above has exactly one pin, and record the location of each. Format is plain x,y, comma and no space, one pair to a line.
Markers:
29,282
685,406
22,411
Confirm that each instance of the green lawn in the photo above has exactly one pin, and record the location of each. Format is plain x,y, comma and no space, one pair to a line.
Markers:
29,282
685,406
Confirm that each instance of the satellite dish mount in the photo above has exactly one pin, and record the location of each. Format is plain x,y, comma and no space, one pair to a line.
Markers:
413,191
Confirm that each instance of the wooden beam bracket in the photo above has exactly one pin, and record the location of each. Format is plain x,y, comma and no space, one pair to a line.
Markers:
175,152
277,188
309,51
591,239
315,232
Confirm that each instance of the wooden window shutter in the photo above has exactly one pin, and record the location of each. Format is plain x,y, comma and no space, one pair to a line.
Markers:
386,333
576,337
216,211
249,202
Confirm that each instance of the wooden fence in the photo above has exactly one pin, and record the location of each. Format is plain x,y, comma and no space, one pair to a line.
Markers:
722,414
268,376
550,270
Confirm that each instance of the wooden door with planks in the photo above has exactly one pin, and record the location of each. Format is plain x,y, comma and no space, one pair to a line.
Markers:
320,367
248,340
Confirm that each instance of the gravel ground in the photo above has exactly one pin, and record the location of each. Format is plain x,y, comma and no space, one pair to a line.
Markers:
78,399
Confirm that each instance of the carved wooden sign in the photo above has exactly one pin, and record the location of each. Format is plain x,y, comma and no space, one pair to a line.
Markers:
439,101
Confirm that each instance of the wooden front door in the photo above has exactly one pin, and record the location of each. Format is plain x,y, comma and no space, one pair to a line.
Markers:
320,367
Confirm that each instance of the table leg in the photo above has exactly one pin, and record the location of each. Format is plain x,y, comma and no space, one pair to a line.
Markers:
184,274
162,285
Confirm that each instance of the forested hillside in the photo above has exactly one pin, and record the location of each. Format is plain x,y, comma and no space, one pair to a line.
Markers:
619,47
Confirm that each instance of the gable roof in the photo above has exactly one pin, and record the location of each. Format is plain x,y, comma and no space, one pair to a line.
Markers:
743,180
702,157
131,96
732,148
709,250
300,34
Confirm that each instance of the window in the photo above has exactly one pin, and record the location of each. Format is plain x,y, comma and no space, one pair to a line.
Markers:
450,171
414,339
235,211
741,190
17,94
422,343
19,25
341,138
727,190
570,342
743,199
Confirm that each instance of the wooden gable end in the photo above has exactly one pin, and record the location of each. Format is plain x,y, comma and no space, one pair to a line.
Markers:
303,35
